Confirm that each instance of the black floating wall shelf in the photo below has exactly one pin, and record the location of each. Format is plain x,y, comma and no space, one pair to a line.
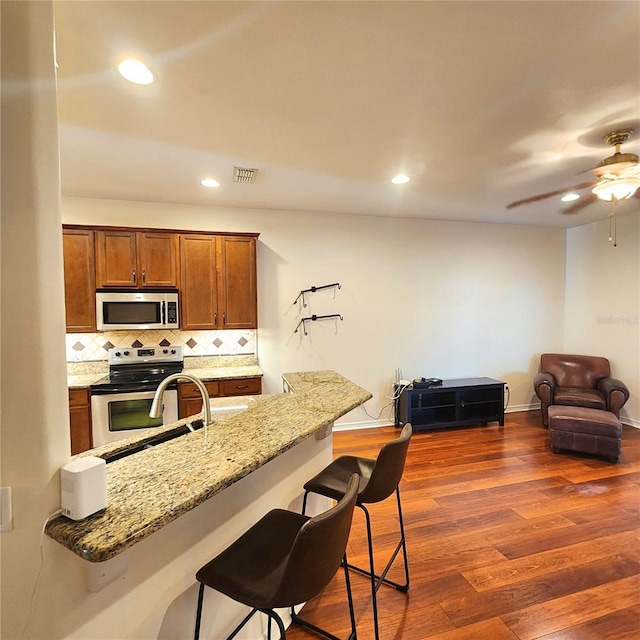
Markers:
303,321
313,290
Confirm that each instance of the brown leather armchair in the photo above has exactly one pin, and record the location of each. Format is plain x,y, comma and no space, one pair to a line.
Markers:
579,381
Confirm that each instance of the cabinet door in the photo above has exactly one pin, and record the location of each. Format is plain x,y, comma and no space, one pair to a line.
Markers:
79,280
80,420
116,255
189,398
198,293
238,291
157,261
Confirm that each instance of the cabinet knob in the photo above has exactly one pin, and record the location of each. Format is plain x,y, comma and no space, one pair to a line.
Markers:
133,275
144,275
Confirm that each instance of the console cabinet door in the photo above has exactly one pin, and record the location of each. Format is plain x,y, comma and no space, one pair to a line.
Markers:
79,280
136,260
237,291
198,290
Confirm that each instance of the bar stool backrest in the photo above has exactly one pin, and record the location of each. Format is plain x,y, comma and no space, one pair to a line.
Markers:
317,551
388,469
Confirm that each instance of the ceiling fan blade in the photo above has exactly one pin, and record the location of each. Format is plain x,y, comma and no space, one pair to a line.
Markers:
578,205
550,194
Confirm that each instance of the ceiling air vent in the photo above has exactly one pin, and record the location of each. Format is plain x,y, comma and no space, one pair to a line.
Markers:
245,176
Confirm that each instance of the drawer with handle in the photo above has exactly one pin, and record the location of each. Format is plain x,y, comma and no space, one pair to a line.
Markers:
241,387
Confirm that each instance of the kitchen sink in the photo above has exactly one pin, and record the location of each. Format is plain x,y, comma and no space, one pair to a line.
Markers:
153,441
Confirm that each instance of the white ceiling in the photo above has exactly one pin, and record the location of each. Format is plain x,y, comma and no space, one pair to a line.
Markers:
481,103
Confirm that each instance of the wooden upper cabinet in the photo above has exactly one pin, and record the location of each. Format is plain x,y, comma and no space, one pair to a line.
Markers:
136,259
218,282
157,259
238,290
198,290
79,280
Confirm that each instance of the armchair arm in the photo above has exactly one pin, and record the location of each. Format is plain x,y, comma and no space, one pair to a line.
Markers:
544,384
615,394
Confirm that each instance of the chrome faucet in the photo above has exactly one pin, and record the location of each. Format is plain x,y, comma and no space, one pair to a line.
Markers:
156,405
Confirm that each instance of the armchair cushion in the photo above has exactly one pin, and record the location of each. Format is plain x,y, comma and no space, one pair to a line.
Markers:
590,398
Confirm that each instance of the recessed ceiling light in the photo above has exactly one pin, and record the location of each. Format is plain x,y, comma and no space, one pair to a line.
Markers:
210,182
400,179
569,197
135,71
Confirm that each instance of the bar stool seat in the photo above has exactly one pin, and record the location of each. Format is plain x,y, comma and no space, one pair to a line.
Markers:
285,559
379,478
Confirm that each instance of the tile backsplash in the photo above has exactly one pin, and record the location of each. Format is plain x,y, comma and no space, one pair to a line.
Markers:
87,347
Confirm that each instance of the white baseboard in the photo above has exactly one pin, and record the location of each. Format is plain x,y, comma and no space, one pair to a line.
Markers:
534,406
362,424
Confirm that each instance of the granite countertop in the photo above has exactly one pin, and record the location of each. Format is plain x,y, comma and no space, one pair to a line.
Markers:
225,373
151,488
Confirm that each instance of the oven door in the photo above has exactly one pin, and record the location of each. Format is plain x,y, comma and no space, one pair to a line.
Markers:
120,415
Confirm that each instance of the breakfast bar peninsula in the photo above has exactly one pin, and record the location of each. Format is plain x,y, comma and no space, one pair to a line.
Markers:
197,493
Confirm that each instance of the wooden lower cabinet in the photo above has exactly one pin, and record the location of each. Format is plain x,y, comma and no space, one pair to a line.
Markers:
80,420
190,400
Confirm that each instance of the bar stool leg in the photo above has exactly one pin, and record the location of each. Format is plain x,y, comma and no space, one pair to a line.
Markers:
404,587
372,574
272,614
196,634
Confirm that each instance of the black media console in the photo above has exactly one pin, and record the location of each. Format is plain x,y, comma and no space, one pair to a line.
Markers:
463,402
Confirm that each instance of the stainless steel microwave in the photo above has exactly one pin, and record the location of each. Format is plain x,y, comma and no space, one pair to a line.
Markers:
118,310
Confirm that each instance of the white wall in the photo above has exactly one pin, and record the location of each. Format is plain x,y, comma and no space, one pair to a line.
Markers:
35,413
443,299
603,300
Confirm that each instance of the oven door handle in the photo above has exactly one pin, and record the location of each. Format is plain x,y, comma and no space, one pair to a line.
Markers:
164,323
97,391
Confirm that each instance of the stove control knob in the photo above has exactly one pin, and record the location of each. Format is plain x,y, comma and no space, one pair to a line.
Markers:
126,353
173,352
165,351
117,354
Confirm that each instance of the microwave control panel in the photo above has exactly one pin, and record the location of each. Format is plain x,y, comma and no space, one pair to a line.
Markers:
172,313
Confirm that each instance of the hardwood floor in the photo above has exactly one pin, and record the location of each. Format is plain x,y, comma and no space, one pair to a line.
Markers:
506,540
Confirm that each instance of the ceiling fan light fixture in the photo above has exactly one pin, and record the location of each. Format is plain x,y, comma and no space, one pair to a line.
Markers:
617,188
570,197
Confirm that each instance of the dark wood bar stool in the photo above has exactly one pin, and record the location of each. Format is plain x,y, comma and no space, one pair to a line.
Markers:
379,478
285,559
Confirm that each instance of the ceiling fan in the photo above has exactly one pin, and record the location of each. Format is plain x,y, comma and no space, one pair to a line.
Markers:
617,178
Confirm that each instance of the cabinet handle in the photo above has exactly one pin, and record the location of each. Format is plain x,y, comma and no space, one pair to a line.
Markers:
241,386
215,318
133,276
224,318
144,276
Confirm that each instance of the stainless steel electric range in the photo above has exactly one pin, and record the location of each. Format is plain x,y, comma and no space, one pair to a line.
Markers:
120,401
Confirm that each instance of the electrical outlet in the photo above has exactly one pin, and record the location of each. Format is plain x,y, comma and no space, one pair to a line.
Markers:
6,512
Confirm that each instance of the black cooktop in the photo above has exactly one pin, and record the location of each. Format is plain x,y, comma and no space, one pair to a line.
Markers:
135,377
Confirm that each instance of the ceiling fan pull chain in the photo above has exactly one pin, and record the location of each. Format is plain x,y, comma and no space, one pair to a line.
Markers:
613,237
